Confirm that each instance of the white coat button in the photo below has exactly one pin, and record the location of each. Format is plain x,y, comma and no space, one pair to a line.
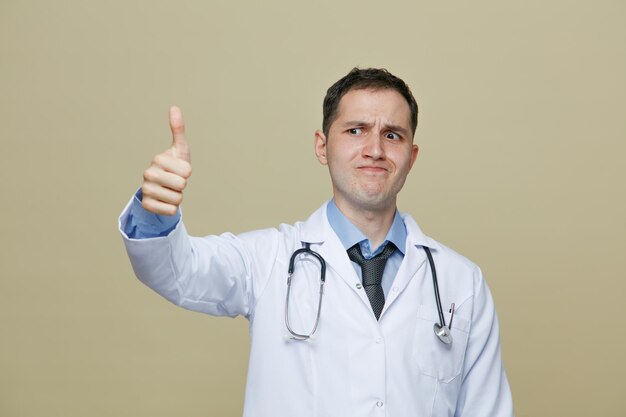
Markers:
379,404
396,289
359,286
379,340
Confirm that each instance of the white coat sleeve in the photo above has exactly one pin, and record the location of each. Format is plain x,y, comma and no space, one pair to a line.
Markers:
484,389
217,275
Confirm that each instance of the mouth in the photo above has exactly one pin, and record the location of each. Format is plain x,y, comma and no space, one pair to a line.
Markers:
372,169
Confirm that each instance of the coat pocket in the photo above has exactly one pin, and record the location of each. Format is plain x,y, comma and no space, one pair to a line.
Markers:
435,358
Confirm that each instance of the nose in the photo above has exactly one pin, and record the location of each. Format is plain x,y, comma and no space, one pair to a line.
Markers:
373,148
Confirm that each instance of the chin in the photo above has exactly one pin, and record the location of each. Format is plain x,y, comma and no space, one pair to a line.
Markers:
367,197
374,202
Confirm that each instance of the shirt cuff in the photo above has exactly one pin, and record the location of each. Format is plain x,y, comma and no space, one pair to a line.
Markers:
142,224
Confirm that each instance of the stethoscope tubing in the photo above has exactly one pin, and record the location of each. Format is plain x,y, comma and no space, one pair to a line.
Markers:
441,330
292,261
442,320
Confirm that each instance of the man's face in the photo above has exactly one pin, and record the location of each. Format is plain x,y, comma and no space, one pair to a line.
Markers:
369,149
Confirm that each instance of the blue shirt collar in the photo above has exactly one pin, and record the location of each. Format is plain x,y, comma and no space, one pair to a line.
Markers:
350,235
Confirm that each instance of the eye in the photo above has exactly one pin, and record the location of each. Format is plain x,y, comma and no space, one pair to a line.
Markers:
355,131
391,135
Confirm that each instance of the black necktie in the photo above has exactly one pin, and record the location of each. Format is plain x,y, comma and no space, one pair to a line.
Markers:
372,274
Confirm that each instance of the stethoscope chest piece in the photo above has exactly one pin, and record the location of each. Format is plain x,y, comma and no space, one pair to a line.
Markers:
443,333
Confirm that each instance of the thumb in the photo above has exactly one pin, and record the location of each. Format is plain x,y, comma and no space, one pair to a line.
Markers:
177,125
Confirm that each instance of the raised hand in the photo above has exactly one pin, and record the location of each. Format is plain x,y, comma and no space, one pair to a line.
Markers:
166,178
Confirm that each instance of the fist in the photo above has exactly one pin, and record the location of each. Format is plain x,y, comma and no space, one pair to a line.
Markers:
167,176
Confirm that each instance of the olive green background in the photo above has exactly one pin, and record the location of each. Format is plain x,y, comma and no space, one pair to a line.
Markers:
521,168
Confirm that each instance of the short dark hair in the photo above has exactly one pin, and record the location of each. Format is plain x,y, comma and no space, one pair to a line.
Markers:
365,79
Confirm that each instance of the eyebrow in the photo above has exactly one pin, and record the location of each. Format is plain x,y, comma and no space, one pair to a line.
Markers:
395,128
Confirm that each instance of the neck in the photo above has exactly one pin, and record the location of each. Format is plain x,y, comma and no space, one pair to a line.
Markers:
373,222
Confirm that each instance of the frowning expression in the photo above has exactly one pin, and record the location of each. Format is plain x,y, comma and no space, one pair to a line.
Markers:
369,149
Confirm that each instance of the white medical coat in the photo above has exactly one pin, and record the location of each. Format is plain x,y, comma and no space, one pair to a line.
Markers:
355,365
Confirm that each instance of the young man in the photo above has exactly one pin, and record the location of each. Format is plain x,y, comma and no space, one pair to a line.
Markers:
378,342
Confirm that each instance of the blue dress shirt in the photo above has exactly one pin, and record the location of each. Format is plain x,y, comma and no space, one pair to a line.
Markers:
142,224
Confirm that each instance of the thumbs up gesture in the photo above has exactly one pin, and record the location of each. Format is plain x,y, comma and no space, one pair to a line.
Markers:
166,178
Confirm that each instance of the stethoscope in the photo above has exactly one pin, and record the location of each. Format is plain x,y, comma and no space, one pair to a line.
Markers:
442,331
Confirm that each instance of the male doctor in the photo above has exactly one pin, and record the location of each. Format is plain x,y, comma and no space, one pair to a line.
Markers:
374,348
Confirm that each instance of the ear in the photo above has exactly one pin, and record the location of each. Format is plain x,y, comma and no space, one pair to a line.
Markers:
320,147
414,152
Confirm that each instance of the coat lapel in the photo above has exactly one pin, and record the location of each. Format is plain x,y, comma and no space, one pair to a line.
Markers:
414,261
317,231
